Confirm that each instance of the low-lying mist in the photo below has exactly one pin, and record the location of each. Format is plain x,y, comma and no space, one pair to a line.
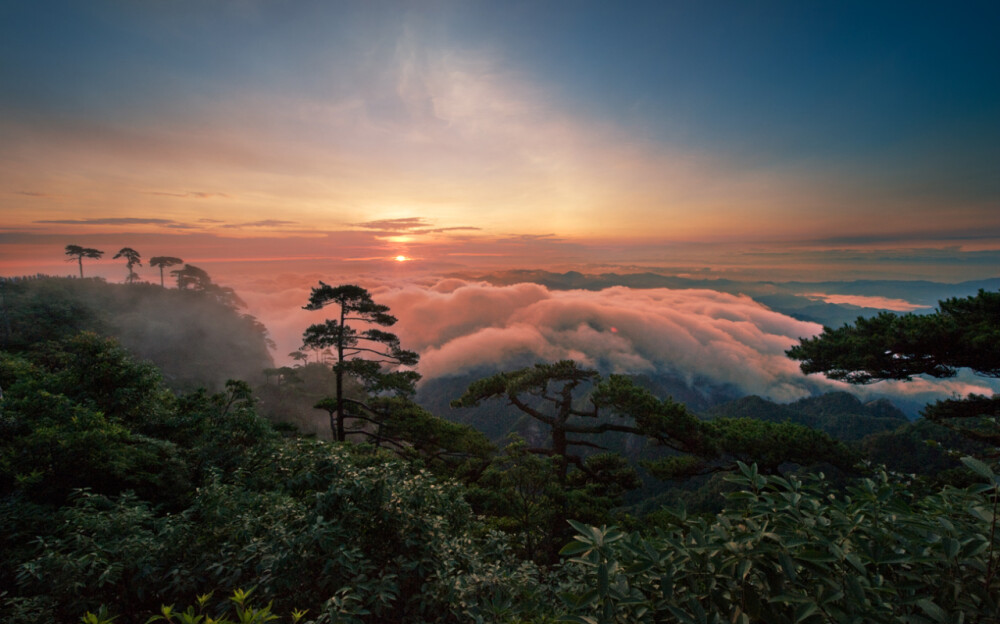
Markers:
708,338
698,334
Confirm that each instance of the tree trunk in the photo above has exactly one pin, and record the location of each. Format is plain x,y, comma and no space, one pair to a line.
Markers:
341,434
559,452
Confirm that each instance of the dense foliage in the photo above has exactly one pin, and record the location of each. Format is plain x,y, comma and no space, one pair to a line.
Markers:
791,551
839,414
116,492
121,500
962,333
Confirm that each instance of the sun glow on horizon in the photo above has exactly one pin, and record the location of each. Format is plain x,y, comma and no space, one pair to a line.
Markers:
401,258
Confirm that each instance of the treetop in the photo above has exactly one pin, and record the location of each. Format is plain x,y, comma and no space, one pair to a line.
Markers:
129,254
85,252
165,261
532,379
352,299
962,333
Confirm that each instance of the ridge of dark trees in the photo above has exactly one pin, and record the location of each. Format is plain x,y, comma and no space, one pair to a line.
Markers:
963,333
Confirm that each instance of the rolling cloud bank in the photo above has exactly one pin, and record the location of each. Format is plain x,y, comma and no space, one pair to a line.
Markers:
708,338
715,342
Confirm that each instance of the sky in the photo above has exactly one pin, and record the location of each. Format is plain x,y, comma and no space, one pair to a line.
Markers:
413,146
852,138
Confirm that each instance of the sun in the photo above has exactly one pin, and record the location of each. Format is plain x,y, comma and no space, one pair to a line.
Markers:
401,258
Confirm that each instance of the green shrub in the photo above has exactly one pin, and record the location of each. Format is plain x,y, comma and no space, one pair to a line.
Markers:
789,551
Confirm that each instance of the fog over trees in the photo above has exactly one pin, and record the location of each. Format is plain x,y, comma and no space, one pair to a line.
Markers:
196,338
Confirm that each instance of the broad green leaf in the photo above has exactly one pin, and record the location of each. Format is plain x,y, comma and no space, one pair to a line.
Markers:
575,547
982,513
979,467
934,611
803,611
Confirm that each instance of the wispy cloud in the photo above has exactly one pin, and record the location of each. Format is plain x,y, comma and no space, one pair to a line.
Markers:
864,301
459,228
265,223
986,231
411,225
191,194
109,221
407,224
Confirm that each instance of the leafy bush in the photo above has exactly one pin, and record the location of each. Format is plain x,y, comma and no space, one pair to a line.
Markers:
789,551
354,538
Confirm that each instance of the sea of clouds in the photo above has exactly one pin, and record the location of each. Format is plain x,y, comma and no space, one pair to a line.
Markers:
696,334
705,337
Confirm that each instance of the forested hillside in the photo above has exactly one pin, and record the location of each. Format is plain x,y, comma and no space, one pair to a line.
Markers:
840,414
123,496
195,336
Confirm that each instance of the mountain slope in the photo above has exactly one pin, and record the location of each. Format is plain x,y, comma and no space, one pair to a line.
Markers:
194,337
839,414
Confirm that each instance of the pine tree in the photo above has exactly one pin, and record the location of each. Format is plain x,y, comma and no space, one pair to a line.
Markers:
132,258
78,253
358,354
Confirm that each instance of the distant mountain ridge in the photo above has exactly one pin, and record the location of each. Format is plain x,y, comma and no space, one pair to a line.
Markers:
497,420
917,291
839,414
795,299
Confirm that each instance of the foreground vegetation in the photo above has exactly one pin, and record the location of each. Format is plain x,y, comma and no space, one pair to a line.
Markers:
121,500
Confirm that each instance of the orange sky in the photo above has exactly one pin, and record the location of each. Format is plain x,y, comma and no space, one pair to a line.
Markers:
791,143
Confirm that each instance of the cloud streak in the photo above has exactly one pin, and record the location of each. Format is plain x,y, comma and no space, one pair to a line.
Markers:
264,223
189,194
864,301
411,225
108,221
